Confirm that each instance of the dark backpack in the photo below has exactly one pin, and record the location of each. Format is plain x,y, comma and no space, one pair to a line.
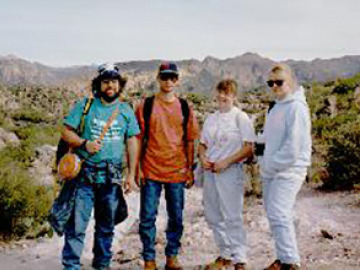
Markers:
148,105
63,146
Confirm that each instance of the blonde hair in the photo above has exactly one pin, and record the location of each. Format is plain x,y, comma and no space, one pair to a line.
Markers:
287,73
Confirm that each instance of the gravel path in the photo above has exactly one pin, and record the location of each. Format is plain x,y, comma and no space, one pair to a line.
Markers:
320,217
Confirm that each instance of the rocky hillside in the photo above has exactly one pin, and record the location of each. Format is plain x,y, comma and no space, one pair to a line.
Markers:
249,69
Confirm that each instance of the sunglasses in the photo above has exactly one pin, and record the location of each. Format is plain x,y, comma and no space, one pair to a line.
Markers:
271,83
166,77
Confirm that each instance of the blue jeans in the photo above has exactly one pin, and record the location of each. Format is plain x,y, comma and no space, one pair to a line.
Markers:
150,196
279,194
104,198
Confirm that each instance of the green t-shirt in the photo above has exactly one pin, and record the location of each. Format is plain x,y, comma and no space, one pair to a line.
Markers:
125,124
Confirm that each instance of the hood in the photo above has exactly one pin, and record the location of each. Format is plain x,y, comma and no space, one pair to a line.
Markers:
298,95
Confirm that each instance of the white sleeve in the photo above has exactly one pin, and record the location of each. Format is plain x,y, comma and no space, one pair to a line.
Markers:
246,128
205,137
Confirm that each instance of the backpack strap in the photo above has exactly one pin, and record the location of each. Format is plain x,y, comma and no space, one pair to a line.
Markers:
86,110
186,113
148,105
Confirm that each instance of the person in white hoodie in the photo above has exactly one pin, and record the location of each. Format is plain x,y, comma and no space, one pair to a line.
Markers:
226,140
287,155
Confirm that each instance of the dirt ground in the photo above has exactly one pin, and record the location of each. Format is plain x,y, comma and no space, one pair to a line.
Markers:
328,228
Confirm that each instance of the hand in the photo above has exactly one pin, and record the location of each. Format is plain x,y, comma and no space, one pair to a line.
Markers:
190,179
139,178
206,164
220,165
129,184
93,146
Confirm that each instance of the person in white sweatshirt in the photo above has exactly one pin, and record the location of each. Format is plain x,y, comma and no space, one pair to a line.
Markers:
287,155
226,140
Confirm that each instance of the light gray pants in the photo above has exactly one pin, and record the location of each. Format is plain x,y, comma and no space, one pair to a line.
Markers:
279,195
223,203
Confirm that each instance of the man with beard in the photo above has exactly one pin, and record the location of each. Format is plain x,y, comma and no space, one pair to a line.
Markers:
100,145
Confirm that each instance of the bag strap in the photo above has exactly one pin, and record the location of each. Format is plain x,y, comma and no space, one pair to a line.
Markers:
108,123
86,110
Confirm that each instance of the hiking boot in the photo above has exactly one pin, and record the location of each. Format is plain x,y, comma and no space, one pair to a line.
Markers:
172,263
285,266
276,265
239,266
219,264
150,265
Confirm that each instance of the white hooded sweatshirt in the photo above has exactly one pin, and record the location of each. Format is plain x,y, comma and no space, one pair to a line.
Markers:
287,136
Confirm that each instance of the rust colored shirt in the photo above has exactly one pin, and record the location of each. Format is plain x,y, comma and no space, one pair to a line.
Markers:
165,158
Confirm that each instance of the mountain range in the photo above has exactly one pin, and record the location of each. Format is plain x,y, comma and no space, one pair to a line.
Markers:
250,70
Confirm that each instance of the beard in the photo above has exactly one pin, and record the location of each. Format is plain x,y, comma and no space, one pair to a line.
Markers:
109,99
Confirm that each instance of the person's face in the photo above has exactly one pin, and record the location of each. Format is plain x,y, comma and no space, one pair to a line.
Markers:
167,82
110,87
225,101
279,85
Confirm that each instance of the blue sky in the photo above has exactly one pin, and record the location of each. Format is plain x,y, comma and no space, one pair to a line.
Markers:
63,33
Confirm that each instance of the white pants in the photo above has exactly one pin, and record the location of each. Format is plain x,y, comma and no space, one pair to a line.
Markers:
223,203
279,194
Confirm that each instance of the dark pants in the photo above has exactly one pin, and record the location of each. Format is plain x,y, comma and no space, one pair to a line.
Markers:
150,196
104,198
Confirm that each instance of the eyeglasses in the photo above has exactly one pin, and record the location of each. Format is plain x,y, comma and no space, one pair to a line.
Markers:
271,83
171,77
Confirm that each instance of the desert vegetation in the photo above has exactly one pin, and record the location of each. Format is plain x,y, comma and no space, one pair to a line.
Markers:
30,118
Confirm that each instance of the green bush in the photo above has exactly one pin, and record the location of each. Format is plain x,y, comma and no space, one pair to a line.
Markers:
33,136
2,117
31,115
324,128
197,98
23,205
345,86
343,157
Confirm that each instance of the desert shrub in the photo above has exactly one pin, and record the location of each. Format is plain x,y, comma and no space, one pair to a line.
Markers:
324,128
33,136
345,86
23,205
2,117
31,115
344,157
197,98
316,96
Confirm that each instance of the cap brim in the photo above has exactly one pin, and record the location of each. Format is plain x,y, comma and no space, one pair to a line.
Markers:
169,71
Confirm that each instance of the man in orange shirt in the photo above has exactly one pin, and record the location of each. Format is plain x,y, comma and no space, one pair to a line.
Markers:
167,147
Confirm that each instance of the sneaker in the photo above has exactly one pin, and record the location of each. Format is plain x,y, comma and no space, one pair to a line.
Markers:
172,263
150,265
276,265
285,266
239,266
219,264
